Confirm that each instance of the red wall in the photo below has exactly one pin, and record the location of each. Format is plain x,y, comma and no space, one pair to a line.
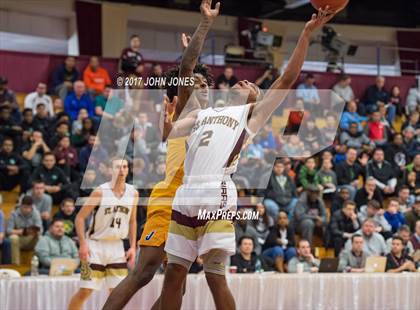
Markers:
25,70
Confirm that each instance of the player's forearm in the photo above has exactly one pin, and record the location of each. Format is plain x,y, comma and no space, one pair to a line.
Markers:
194,48
80,228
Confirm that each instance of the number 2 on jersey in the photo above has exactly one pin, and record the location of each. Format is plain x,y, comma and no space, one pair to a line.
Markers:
116,221
205,140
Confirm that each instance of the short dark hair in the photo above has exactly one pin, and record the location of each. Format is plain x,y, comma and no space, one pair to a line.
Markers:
349,202
405,228
48,154
55,220
134,36
246,237
374,204
27,110
398,238
65,200
303,240
37,181
309,76
27,201
344,77
355,236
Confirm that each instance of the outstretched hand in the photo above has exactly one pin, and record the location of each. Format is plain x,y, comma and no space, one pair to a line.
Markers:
320,19
207,13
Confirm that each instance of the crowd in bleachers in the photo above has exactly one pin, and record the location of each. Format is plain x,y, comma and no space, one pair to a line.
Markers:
359,197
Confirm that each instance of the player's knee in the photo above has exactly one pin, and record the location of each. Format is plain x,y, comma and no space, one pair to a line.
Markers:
215,280
143,276
174,275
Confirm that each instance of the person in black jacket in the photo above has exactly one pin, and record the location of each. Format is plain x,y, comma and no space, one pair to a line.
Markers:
344,223
280,242
383,172
13,168
280,194
348,171
56,183
247,261
367,193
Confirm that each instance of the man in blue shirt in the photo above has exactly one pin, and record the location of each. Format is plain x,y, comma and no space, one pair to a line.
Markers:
308,92
77,100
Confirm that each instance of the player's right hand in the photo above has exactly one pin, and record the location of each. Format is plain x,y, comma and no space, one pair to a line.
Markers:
207,12
84,252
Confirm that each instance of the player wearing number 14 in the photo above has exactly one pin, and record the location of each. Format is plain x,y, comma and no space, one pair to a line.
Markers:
113,207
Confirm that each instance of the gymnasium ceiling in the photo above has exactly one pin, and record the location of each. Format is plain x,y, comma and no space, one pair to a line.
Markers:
396,13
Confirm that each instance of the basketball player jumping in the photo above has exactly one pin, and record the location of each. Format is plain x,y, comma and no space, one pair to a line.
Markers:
102,256
159,207
215,139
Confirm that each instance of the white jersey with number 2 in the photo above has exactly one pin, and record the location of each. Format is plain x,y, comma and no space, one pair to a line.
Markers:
111,218
216,140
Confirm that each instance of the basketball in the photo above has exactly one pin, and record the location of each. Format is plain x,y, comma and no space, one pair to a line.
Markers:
335,5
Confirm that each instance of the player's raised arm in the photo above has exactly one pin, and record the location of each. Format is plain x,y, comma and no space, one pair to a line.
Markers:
193,51
263,110
91,203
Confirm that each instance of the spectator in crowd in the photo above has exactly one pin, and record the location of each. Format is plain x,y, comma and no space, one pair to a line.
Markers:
396,153
339,198
13,169
327,177
280,242
311,135
393,215
310,212
157,73
415,167
351,116
373,242
382,171
78,99
368,193
374,212
412,121
131,60
5,248
356,139
42,201
58,105
404,198
67,214
8,126
61,130
394,104
398,261
266,138
308,174
148,133
81,137
39,96
375,94
8,99
95,77
54,244
305,257
93,153
56,183
23,228
246,260
309,93
64,76
262,224
268,78
27,125
348,172
376,129
280,194
412,216
107,106
413,98
227,79
353,260
343,89
42,121
293,147
344,223
243,227
157,173
404,233
329,132
66,155
34,150
415,238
